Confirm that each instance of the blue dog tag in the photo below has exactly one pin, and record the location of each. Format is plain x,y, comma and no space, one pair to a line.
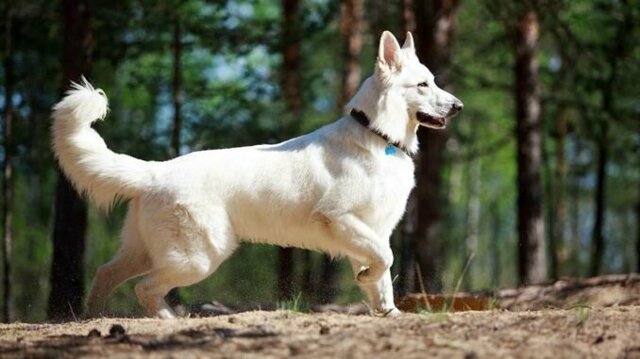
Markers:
390,149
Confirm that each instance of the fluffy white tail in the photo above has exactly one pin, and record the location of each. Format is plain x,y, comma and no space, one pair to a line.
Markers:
83,155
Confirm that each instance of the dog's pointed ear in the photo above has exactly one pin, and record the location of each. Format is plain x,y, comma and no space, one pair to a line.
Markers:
389,53
408,42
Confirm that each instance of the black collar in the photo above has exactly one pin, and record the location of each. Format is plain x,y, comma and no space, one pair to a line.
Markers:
362,119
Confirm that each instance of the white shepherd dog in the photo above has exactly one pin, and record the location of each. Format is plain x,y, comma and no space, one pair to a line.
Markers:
340,189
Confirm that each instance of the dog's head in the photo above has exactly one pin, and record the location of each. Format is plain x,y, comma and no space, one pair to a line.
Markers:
410,85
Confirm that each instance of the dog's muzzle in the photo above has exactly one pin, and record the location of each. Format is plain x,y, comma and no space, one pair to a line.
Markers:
438,122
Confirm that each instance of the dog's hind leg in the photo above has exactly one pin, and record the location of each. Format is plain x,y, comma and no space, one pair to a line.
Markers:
130,261
152,289
125,265
185,247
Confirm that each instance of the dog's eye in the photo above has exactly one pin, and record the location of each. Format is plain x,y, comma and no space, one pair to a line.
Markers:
423,84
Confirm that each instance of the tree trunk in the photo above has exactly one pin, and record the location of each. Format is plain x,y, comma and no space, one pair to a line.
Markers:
638,235
532,266
575,263
70,219
291,64
558,253
351,26
597,246
575,269
308,287
435,22
7,192
292,95
494,249
408,15
550,210
473,208
608,105
378,17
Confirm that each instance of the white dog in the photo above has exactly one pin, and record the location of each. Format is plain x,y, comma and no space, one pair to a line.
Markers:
341,189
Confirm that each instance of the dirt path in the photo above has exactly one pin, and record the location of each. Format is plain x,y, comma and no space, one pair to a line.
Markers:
576,333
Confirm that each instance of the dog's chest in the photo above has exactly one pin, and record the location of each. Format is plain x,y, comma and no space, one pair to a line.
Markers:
388,185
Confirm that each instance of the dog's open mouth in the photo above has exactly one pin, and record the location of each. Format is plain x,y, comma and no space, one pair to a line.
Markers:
431,121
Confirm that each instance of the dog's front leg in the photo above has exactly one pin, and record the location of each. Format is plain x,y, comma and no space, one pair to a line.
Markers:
358,241
380,294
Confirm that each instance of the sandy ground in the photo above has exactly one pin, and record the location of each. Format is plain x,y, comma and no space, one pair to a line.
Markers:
575,333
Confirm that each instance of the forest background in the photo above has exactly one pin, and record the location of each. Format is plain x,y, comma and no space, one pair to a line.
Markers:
537,179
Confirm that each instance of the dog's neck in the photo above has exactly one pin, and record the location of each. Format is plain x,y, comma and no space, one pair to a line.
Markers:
387,115
362,119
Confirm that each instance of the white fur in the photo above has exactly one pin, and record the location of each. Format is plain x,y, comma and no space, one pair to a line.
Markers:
333,190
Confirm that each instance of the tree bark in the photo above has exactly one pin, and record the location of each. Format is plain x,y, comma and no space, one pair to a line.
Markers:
494,249
597,247
575,264
70,218
435,22
473,208
616,52
7,192
408,15
558,254
351,27
638,235
532,266
291,62
292,95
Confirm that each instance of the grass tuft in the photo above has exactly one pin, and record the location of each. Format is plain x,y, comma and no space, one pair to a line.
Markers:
295,304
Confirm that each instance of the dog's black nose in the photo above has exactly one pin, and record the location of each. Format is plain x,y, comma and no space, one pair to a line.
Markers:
457,106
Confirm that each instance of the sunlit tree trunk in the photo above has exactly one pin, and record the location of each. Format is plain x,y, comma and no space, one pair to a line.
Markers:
70,219
293,98
532,265
351,27
435,22
7,193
